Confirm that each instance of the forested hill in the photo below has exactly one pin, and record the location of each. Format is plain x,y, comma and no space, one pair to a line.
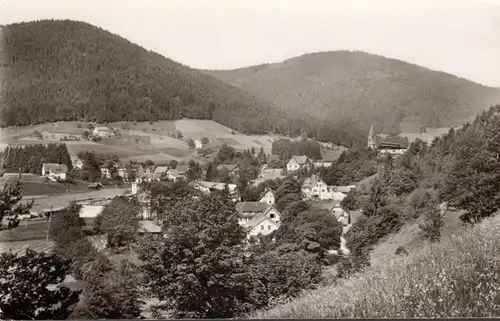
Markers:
54,70
363,89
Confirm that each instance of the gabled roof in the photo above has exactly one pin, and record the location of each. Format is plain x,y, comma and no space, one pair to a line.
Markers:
301,160
75,158
216,185
398,141
55,167
259,219
344,189
265,192
161,169
252,207
229,167
310,182
150,167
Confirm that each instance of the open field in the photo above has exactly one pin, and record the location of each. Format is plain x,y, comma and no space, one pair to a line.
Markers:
161,146
26,232
44,203
53,188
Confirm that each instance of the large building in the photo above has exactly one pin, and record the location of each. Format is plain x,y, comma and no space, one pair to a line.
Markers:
384,144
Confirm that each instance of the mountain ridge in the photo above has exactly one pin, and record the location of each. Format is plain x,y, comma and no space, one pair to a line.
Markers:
363,88
65,70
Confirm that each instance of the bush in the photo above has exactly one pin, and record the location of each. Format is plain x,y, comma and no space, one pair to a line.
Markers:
401,250
367,231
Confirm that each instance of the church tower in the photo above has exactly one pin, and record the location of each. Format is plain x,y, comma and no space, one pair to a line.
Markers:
371,138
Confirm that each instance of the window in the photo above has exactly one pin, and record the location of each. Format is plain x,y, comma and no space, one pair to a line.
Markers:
262,227
269,227
272,215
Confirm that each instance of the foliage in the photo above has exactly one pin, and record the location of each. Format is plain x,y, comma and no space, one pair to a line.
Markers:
191,143
198,269
285,148
120,221
313,230
433,222
194,172
354,262
30,158
110,292
205,140
283,274
10,206
30,287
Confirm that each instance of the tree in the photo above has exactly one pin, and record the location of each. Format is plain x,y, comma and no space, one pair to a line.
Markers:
194,171
283,273
110,292
191,143
30,287
204,140
10,203
120,221
173,164
198,270
433,222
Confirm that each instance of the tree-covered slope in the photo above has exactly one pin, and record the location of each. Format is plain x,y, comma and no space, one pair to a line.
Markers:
68,70
362,88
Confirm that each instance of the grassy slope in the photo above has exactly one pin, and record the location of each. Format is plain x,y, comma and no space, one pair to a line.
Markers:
459,277
363,88
162,147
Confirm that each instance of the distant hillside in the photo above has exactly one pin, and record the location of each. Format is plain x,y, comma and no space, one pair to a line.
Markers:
68,70
362,89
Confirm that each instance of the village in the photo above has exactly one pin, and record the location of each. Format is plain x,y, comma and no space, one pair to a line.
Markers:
260,217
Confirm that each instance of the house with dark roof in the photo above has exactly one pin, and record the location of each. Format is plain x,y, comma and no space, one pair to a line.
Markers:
385,144
298,162
261,225
315,188
54,171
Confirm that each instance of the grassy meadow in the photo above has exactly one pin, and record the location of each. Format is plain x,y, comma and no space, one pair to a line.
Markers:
163,146
457,277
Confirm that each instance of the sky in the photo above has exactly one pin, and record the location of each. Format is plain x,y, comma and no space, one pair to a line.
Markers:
460,37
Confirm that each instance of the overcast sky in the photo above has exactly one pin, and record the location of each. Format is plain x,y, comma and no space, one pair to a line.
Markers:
457,36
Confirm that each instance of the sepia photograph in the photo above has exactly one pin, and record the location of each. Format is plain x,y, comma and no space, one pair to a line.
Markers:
249,159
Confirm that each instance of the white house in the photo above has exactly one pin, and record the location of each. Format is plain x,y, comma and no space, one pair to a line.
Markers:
198,143
54,171
268,197
298,162
102,131
249,210
337,197
315,188
261,225
159,172
105,171
323,163
77,162
207,187
179,173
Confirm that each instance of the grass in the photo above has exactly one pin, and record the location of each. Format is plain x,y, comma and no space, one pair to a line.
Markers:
458,277
52,188
33,231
